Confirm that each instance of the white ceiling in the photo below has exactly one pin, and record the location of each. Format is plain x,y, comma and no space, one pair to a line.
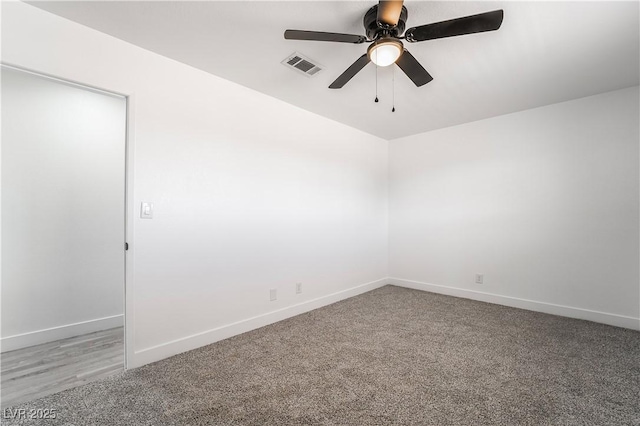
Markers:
545,52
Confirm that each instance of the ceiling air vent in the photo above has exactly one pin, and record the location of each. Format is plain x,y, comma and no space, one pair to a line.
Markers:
302,64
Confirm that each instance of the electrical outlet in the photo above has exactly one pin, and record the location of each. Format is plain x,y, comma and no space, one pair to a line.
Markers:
273,294
298,288
479,278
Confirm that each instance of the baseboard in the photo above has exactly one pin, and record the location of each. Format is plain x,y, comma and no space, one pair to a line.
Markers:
531,305
19,341
194,341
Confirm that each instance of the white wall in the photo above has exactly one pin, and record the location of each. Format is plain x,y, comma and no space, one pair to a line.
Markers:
250,193
62,210
543,202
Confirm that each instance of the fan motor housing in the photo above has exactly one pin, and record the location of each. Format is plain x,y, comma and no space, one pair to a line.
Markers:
375,30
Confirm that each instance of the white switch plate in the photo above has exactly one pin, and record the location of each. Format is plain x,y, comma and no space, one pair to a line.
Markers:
273,294
479,278
298,288
146,210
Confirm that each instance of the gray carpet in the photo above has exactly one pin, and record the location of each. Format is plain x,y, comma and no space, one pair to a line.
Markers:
390,356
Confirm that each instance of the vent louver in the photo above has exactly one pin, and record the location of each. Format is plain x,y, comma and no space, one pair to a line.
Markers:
302,64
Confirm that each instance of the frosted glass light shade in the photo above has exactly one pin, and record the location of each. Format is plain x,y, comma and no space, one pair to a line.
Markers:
385,52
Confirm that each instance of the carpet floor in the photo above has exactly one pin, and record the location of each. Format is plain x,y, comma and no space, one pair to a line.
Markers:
390,356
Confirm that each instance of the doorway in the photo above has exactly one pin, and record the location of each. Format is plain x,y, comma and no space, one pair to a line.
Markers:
63,235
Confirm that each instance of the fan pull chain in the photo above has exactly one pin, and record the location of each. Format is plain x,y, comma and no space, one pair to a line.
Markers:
376,100
393,89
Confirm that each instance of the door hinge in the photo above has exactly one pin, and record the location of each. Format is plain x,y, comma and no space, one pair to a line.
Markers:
126,246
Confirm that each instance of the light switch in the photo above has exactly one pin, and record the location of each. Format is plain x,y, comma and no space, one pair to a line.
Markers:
146,210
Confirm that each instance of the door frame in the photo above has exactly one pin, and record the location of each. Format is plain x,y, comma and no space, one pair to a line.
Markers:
129,149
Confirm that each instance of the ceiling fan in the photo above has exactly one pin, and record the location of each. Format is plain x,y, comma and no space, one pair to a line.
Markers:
384,23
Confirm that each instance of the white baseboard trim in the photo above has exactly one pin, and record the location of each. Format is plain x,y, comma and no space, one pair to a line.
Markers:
19,341
165,350
515,302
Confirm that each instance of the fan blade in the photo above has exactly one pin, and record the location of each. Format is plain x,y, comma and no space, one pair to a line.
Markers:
389,12
350,72
321,36
488,21
413,69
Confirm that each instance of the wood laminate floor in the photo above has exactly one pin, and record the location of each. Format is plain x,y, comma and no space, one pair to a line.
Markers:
37,371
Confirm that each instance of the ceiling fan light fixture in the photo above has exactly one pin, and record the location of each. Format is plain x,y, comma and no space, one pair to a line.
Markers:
384,25
385,51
